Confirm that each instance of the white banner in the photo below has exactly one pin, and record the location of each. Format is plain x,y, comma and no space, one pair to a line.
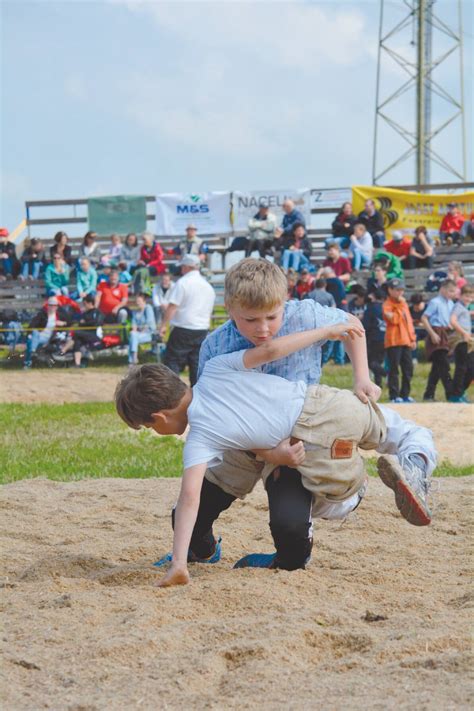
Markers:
330,198
210,212
245,205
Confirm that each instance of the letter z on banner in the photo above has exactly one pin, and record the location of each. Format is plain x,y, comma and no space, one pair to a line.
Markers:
210,212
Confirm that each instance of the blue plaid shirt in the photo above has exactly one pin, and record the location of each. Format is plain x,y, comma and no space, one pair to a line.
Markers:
303,365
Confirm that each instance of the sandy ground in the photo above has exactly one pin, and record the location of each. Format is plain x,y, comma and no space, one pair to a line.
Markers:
379,620
455,444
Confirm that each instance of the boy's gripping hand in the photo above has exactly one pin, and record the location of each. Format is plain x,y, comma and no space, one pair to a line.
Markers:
176,575
289,453
349,330
367,390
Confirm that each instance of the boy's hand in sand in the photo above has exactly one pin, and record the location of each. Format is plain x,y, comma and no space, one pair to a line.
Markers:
176,575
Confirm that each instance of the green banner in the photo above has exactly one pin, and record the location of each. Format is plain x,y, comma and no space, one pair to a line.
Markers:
117,213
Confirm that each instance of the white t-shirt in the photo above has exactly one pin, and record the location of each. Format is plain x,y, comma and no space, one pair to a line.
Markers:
194,297
237,408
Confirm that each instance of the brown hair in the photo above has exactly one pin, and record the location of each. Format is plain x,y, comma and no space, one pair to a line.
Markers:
421,228
447,283
467,289
145,390
255,284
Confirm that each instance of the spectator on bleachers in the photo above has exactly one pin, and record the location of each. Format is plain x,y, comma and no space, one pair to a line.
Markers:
462,344
362,247
390,262
305,283
340,265
335,287
90,337
151,255
451,225
400,341
400,246
191,244
112,299
32,260
291,218
356,305
62,248
86,279
421,250
9,265
161,291
320,295
373,221
456,273
130,252
296,249
378,280
125,276
417,309
291,279
90,249
143,327
343,226
262,231
112,257
56,276
374,325
437,322
467,230
43,324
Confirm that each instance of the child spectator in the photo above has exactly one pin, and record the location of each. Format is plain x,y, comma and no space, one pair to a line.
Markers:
159,296
62,248
112,299
151,255
456,273
130,252
400,340
296,249
421,250
361,246
124,275
32,260
112,257
399,246
417,309
356,305
56,276
451,225
437,322
462,343
305,283
9,266
375,328
343,226
291,279
86,279
378,280
391,263
320,295
143,328
340,265
90,337
90,249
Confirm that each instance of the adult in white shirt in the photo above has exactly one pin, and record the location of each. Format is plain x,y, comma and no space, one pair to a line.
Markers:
189,311
362,246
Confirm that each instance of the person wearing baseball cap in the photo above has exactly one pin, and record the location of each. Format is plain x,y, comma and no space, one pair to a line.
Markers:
400,340
262,227
400,247
191,244
43,325
189,311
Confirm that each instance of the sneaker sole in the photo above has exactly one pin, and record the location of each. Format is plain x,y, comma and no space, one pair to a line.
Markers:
410,507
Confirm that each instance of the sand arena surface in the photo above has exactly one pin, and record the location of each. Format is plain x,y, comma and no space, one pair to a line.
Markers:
86,629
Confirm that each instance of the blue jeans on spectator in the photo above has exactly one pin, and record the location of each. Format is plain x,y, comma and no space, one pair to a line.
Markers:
134,340
360,259
7,265
334,349
378,239
58,291
343,242
295,259
13,335
35,269
33,342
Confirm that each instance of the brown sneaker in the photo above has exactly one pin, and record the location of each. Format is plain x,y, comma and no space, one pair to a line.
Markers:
410,485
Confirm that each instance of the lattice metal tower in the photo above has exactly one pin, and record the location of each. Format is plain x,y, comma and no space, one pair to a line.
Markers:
415,48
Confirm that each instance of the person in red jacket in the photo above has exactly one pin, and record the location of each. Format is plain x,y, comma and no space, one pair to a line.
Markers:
400,247
151,255
450,230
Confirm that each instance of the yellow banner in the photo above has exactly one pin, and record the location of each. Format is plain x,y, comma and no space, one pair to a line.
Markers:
403,210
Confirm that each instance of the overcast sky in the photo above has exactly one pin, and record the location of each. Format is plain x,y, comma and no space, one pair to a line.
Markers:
115,97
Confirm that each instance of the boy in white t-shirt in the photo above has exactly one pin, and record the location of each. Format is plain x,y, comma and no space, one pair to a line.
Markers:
234,406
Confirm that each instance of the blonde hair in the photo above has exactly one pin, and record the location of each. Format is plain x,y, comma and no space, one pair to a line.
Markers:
255,284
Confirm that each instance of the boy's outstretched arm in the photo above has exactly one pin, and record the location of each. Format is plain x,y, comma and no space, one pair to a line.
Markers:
185,518
281,347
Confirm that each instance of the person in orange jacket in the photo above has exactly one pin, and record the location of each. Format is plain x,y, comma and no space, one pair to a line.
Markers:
400,340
